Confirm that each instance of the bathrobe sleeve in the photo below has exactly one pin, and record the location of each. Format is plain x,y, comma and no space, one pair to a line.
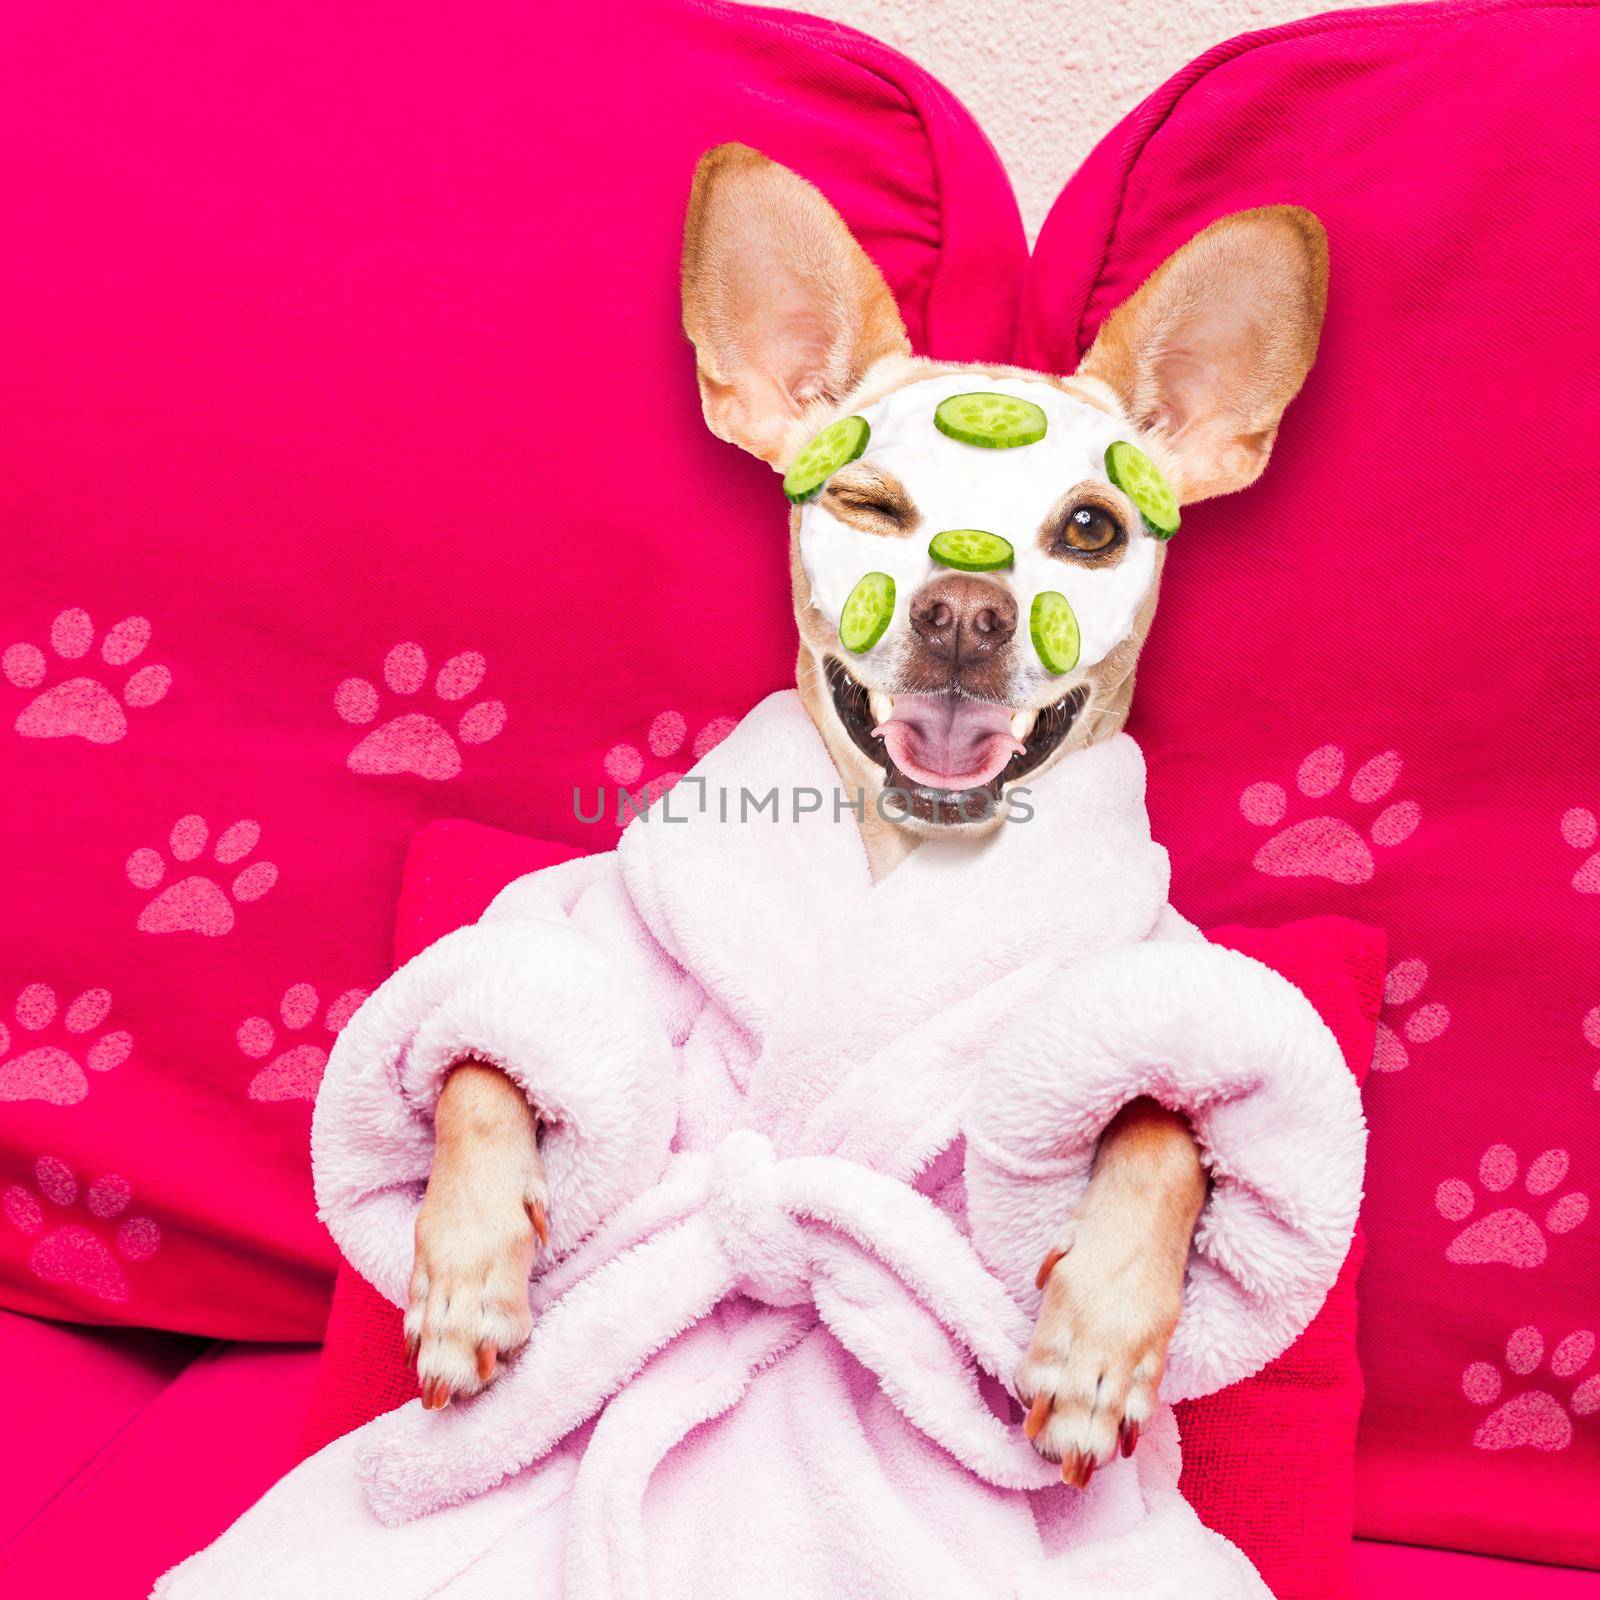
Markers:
1242,1053
556,985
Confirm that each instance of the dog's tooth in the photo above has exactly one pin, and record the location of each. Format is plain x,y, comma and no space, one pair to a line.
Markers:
882,705
1022,724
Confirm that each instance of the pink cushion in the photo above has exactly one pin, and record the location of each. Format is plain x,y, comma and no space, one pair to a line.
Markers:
138,1449
1384,1571
1268,1462
1371,686
354,474
82,1387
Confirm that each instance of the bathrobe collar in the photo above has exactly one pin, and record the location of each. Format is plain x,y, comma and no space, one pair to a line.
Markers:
778,919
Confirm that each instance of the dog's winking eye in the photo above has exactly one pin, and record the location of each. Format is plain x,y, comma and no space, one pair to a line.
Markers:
1091,529
874,503
868,505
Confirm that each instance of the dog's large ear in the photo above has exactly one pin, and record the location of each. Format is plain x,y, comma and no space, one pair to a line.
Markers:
1217,342
782,304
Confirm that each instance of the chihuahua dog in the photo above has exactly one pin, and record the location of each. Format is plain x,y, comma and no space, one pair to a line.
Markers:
958,702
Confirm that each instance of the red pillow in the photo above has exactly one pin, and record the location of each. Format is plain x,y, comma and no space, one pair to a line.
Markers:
1270,1462
1365,693
1266,1462
354,474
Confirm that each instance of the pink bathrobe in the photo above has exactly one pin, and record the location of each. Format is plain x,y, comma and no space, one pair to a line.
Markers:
807,1141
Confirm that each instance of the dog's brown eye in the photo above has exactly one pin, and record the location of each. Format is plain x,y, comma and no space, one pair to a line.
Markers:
1091,529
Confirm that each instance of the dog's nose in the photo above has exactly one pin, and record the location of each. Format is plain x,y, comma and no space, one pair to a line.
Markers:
960,618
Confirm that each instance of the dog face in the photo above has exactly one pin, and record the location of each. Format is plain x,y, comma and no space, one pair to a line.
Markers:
975,565
955,702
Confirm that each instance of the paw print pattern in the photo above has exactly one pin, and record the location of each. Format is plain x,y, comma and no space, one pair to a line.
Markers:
1327,846
52,1051
1423,1024
198,903
70,1252
84,707
294,1072
1580,828
1591,1032
417,741
1510,1234
1533,1419
666,739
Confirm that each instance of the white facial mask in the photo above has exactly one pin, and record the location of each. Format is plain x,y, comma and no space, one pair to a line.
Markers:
1006,492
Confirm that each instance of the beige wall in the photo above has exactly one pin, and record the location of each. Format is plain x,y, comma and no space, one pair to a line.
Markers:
1047,77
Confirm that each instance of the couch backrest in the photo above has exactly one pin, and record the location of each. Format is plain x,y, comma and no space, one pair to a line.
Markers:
1371,686
353,475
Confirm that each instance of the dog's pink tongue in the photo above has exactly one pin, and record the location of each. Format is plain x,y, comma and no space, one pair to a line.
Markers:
941,741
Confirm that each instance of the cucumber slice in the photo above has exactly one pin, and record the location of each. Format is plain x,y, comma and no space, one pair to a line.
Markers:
971,550
991,421
1136,475
820,457
1055,631
867,613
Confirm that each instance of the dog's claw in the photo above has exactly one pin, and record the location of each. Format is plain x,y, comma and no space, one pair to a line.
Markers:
541,1223
1129,1432
486,1360
413,1344
1047,1267
1077,1470
1038,1415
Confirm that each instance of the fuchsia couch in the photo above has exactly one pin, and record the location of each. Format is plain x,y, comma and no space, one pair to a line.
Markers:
352,477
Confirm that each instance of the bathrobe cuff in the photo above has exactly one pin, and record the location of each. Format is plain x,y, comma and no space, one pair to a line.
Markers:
1243,1055
541,1000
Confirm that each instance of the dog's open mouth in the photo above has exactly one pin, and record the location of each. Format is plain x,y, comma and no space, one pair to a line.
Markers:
950,755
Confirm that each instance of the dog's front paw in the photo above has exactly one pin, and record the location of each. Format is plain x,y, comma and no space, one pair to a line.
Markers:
1099,1346
468,1306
